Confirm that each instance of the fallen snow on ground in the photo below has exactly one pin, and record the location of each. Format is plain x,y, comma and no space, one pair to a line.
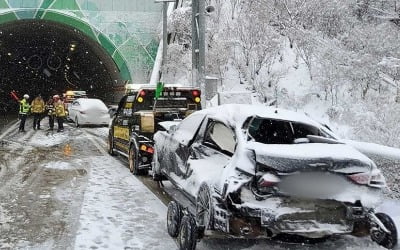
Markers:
118,212
59,165
43,139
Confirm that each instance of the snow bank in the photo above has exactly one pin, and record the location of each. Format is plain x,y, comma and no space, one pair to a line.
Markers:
375,149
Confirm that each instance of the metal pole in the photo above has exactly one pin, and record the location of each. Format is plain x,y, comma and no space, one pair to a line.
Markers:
202,49
199,45
195,43
165,10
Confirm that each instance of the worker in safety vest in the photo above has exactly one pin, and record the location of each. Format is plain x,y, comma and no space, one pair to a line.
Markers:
60,112
50,112
24,108
37,108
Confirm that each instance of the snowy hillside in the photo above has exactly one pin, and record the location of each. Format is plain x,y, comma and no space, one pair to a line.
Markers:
336,60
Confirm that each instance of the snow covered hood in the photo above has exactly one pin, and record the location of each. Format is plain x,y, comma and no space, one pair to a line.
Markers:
293,157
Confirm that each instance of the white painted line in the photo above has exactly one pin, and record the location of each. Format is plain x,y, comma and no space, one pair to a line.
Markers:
9,130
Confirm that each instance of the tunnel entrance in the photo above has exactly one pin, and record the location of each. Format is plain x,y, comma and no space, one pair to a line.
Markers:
47,58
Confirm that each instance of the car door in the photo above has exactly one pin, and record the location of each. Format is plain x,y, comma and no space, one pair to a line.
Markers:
176,151
210,152
121,129
73,110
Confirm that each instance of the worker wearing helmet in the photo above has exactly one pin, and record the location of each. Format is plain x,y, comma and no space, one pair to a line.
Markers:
37,108
60,112
24,108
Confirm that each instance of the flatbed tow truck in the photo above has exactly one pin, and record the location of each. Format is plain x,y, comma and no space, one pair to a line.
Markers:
139,112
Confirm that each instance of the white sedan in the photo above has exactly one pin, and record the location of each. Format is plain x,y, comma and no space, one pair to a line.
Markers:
88,111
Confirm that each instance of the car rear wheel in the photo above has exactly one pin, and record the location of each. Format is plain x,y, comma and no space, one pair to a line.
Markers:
111,144
204,209
384,239
187,233
174,217
133,158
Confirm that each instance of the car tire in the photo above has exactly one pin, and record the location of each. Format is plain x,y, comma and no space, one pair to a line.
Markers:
174,218
187,237
111,144
133,161
204,209
386,240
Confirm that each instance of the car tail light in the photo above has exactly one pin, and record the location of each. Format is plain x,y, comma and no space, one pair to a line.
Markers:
150,150
268,180
196,93
373,179
360,178
377,180
147,149
142,93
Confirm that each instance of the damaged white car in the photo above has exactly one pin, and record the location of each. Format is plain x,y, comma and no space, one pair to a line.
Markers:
252,171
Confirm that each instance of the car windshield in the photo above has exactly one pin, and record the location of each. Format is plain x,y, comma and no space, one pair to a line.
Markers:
270,131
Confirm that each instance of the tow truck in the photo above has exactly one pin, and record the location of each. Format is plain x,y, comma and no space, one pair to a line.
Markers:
137,118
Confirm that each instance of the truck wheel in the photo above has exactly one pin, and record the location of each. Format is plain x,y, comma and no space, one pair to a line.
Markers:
187,233
111,144
204,209
133,160
386,240
174,217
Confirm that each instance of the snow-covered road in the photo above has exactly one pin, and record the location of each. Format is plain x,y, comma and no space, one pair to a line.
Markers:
63,191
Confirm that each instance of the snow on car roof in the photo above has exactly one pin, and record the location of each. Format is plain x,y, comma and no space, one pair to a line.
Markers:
236,114
92,102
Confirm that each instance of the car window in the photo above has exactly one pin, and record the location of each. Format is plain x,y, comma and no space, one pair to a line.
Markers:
220,137
270,131
188,128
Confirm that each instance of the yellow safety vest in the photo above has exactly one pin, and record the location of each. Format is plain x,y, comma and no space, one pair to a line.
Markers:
24,107
60,110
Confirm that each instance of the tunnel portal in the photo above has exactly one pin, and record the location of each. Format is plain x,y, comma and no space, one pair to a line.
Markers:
45,57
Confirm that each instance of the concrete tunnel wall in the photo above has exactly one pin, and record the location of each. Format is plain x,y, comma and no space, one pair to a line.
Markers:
125,29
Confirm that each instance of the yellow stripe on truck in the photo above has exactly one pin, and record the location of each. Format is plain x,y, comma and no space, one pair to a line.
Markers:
121,133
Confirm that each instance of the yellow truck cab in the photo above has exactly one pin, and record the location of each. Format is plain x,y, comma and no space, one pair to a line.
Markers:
137,117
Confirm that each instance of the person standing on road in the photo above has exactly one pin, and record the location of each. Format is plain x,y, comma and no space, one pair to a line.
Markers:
24,108
50,112
37,108
60,112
